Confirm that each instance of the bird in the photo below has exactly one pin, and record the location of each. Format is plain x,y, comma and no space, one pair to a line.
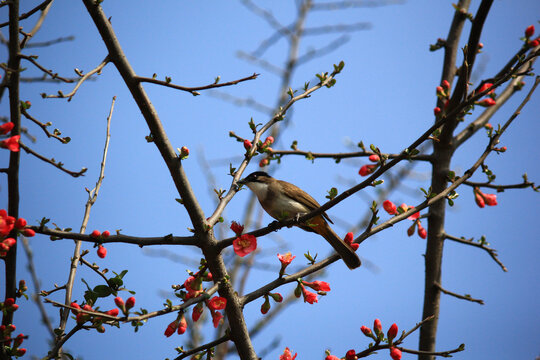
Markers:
284,201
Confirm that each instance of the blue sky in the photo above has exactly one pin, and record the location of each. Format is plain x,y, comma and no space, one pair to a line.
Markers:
384,96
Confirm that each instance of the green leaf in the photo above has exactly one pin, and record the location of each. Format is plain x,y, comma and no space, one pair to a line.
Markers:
102,290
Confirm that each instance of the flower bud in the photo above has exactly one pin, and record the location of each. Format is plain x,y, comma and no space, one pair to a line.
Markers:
106,234
389,207
112,312
529,31
365,330
171,328
28,232
247,144
395,353
377,326
351,355
119,302
392,332
374,158
486,102
265,306
130,302
445,84
437,110
95,234
102,251
20,223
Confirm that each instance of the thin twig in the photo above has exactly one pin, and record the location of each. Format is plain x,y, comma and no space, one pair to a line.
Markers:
53,162
490,251
501,188
462,297
42,126
80,81
207,346
26,15
193,90
48,72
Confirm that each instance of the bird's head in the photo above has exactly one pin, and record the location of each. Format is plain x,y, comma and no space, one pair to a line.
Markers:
255,177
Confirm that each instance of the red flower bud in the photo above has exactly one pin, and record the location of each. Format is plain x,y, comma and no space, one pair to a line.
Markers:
479,200
317,285
421,231
377,326
20,223
9,242
28,232
87,307
389,207
264,162
184,152
106,234
351,355
532,44
269,140
392,332
18,340
237,228
265,307
8,302
487,102
119,302
182,325
247,144
445,84
374,158
95,234
171,328
112,312
331,357
529,31
217,303
367,169
20,352
130,302
490,199
5,128
102,251
437,111
365,330
485,87
75,305
197,312
12,143
395,353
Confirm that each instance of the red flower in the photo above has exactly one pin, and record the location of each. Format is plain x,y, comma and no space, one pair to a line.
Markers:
102,251
331,357
197,312
529,31
130,302
286,259
374,158
445,84
9,302
263,162
287,355
75,305
20,223
112,312
28,232
534,43
479,200
95,234
490,199
365,330
9,242
237,228
244,244
247,144
395,353
171,328
351,355
437,111
12,143
7,127
367,169
486,102
216,317
106,234
193,286
421,231
485,87
182,325
309,297
349,237
389,207
269,140
377,326
217,303
119,302
317,285
392,332
265,307
6,223
414,216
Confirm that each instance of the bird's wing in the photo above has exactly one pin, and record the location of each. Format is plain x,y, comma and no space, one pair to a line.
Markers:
297,194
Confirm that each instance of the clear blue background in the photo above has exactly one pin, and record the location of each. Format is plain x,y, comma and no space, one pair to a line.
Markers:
385,97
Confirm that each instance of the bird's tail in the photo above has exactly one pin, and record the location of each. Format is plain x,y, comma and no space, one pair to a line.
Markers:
345,251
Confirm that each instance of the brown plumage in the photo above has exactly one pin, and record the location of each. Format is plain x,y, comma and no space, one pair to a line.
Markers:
283,200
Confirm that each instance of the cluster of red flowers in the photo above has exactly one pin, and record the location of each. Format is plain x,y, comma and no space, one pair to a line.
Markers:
244,243
392,209
7,337
369,168
11,143
287,355
483,199
8,224
97,321
265,147
321,287
443,93
101,251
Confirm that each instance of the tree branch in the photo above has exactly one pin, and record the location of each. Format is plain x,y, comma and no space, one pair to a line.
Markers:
462,297
490,251
58,165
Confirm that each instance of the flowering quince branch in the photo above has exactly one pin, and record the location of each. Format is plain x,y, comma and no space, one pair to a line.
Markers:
337,156
490,251
83,78
193,90
58,165
463,297
500,188
31,58
204,347
140,241
43,127
327,80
